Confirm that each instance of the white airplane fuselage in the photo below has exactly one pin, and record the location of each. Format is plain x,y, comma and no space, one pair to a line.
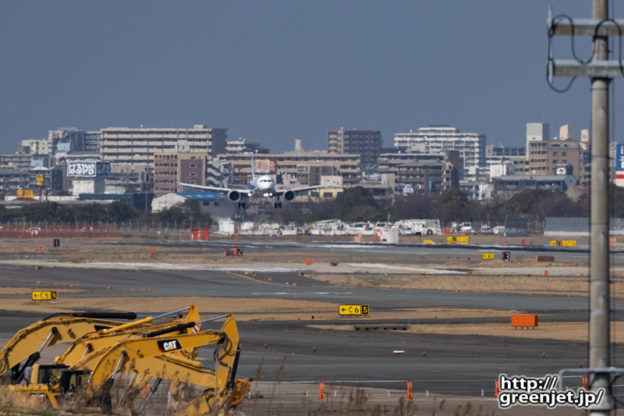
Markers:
264,186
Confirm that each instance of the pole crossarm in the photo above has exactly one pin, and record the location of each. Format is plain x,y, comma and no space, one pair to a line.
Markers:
595,69
584,27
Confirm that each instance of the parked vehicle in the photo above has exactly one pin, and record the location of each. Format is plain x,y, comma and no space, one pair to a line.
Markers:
486,229
466,228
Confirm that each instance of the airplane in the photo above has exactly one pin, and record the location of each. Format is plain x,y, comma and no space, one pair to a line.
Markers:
262,186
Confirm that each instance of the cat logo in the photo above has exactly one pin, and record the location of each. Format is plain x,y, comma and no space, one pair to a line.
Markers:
166,346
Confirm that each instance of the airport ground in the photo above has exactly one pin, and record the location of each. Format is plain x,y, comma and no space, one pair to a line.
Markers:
444,307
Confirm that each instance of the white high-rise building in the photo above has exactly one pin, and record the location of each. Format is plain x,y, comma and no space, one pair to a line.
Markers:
132,149
440,139
535,132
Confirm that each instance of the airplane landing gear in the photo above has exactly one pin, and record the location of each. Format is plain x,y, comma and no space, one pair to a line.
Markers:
278,205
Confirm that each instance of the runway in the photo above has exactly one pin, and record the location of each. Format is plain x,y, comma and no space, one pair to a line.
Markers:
294,352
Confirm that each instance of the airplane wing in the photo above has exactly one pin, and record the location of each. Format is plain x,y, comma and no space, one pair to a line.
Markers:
241,191
280,192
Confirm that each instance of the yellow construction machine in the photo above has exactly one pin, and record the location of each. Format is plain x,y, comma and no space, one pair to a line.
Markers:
25,348
167,351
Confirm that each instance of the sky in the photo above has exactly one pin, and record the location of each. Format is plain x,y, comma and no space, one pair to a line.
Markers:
275,70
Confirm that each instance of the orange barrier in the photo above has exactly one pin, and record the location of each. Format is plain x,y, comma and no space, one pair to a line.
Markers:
308,261
523,321
321,390
585,381
409,389
357,239
496,390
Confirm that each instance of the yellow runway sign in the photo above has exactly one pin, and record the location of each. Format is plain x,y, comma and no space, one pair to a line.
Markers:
353,309
50,295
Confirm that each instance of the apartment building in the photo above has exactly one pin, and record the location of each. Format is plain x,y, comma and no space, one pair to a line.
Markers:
295,164
536,132
133,149
421,172
243,146
170,168
556,157
366,143
437,140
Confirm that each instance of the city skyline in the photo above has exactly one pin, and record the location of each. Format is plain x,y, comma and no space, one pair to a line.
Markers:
278,71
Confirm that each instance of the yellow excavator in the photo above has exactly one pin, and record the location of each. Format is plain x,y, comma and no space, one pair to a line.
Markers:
25,348
167,352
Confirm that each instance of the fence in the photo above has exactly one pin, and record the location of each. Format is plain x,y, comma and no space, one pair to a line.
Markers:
131,229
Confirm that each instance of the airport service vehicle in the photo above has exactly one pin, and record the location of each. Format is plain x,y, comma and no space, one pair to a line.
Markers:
486,229
466,228
418,227
499,229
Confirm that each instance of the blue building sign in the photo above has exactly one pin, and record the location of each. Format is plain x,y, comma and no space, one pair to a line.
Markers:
619,157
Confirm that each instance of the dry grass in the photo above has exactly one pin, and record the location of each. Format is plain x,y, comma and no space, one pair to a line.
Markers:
531,285
561,331
248,308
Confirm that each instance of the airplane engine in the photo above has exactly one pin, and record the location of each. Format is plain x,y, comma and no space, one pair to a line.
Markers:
234,196
289,195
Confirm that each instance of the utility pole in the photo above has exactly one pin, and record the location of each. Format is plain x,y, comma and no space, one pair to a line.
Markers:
599,272
600,70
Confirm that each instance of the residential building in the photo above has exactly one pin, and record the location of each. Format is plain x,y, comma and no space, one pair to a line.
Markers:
16,161
35,147
218,173
440,139
345,165
516,183
561,157
502,160
536,132
421,172
243,146
585,143
312,174
133,149
366,143
13,179
171,168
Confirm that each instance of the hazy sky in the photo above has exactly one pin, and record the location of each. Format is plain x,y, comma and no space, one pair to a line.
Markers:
272,71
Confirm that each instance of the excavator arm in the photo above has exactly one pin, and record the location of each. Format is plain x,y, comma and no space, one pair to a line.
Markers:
163,351
223,389
228,389
104,339
30,341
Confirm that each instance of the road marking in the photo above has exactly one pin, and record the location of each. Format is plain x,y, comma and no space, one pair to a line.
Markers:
249,278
